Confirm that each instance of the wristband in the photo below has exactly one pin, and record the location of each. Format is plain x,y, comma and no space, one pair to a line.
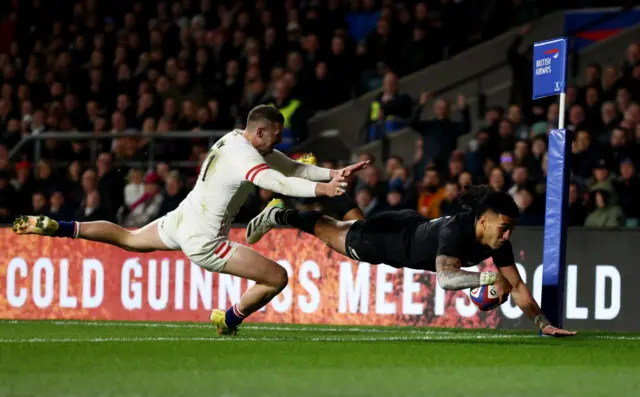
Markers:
541,321
488,278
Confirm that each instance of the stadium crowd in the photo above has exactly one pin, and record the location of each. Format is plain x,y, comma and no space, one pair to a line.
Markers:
157,67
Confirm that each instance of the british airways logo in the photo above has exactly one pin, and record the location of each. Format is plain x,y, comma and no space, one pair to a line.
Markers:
543,65
554,52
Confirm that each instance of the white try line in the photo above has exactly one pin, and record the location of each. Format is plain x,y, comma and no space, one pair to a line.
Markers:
263,339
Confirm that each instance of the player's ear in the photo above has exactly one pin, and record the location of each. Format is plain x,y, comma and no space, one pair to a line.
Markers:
483,221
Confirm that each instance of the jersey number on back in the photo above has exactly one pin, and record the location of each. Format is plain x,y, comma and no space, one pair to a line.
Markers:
210,161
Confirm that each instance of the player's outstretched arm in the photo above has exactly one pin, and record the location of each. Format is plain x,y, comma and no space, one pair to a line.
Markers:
275,181
451,277
288,167
523,298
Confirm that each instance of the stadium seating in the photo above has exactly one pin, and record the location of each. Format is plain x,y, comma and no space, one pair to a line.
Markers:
152,68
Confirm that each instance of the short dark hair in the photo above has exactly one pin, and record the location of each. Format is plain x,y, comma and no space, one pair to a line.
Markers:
482,198
265,114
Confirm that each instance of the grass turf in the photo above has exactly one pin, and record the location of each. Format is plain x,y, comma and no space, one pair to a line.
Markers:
130,359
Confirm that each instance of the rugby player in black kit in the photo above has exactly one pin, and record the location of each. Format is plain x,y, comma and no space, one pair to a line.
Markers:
443,245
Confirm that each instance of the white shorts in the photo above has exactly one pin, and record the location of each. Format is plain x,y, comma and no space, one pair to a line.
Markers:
208,253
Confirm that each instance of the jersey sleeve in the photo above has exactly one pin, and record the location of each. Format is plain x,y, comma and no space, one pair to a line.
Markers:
254,168
504,256
449,241
246,163
282,163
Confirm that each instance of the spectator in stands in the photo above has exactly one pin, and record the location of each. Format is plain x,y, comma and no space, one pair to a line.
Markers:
401,182
601,178
441,134
423,50
606,215
519,128
497,180
465,179
521,66
622,148
75,192
39,203
392,163
577,211
8,198
507,138
584,157
23,184
519,179
529,213
627,187
450,205
134,188
456,166
389,110
147,207
89,181
46,181
367,201
58,208
173,193
90,209
431,195
110,184
159,69
507,162
370,177
294,112
362,21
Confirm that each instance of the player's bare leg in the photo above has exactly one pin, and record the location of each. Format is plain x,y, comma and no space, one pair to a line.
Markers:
145,239
331,231
270,279
355,214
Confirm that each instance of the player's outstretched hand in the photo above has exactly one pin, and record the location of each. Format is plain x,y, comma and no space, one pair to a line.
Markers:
353,168
553,331
334,188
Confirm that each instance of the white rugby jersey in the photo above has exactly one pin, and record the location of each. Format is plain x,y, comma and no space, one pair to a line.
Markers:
224,183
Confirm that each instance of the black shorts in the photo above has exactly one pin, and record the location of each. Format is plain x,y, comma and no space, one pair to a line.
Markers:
384,238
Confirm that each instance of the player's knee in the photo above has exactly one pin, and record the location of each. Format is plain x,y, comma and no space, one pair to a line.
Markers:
134,241
279,279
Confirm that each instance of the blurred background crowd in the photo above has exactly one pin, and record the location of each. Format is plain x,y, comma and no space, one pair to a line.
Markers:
170,67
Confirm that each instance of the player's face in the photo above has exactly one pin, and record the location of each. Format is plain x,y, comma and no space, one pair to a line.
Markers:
270,136
497,229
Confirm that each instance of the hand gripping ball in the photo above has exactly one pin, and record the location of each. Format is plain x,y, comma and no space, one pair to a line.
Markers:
486,298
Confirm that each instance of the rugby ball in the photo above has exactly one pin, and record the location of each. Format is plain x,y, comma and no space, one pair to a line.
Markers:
486,298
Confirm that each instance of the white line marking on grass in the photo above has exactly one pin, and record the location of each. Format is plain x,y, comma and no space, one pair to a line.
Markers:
288,328
244,327
263,339
617,337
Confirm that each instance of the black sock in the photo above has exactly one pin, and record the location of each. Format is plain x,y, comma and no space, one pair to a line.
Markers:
303,220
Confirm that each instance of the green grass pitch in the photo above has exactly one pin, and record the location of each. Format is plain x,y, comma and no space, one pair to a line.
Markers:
56,358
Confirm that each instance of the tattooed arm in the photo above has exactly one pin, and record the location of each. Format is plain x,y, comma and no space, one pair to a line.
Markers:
451,277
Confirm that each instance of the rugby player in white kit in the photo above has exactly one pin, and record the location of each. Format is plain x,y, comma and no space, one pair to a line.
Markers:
200,225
